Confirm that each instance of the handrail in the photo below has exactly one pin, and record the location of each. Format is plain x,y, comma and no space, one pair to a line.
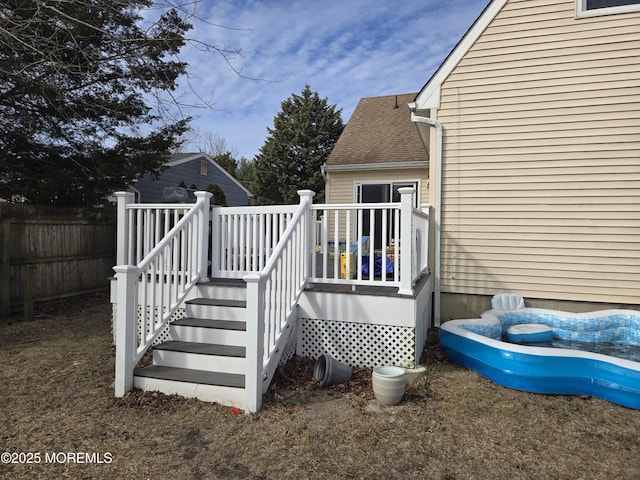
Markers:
155,251
272,297
153,289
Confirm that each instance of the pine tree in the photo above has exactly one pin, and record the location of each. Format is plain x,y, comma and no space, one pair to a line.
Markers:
304,133
77,83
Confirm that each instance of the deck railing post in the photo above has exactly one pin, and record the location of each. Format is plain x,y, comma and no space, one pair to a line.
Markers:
203,198
407,246
306,198
255,342
122,235
126,305
215,241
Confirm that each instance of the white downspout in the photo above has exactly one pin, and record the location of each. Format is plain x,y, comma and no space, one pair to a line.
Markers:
438,207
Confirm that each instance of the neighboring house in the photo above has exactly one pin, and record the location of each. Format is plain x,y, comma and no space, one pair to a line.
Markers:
190,169
540,154
379,151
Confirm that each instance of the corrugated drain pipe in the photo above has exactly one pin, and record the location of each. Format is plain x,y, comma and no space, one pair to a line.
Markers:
438,204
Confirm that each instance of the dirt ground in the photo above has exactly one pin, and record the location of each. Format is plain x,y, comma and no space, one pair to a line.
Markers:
60,419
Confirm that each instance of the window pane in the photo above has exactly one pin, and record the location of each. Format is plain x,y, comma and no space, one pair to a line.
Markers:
397,186
374,193
596,4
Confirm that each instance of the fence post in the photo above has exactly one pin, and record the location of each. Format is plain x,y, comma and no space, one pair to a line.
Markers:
126,306
203,241
122,227
406,240
306,198
255,342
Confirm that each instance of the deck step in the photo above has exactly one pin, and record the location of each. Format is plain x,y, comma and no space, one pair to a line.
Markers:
188,375
202,348
217,302
223,388
210,323
201,356
217,309
204,330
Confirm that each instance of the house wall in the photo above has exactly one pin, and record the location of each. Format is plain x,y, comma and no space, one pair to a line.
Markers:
151,190
541,174
340,187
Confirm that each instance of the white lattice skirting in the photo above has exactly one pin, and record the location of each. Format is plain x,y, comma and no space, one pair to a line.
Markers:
164,335
357,344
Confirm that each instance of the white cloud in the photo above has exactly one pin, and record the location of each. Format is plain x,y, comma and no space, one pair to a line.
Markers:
343,50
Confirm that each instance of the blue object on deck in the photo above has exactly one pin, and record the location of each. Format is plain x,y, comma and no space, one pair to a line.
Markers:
377,266
354,247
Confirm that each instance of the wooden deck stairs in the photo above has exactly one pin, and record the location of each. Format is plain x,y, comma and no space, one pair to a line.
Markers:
204,356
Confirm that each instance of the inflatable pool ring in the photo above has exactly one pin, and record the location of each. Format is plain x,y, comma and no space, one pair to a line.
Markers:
529,333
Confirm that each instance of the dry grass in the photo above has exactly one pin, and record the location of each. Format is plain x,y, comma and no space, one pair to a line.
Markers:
56,396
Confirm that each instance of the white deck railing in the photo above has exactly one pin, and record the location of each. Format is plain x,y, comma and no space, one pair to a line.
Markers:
163,252
244,238
272,299
371,243
150,290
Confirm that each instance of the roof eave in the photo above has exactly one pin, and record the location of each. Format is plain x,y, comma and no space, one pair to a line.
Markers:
376,166
429,95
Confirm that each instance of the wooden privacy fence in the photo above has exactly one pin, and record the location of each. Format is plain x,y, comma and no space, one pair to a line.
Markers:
48,253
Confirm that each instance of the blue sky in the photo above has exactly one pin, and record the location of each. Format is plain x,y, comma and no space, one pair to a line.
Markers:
344,50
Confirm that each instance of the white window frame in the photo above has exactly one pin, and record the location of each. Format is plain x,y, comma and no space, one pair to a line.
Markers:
391,183
581,9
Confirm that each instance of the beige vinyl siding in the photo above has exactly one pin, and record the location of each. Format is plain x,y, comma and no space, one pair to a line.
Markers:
341,185
541,175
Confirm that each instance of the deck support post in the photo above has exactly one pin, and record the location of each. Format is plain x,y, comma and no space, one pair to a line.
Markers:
306,198
216,231
407,242
122,227
126,305
255,342
203,241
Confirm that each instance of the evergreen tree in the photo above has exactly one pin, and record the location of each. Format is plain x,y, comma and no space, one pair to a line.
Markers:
226,161
76,84
245,174
302,137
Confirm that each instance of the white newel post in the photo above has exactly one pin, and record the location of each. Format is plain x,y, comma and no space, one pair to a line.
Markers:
204,198
122,235
215,241
306,198
126,305
406,240
255,341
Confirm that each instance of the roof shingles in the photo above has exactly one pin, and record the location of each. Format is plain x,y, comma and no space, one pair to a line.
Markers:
379,131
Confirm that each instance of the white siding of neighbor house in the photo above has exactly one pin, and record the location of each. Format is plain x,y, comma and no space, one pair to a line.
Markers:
541,175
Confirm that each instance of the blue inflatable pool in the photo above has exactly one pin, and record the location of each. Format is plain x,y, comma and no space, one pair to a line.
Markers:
478,344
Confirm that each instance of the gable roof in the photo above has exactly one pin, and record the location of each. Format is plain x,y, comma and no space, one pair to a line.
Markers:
179,158
429,95
380,134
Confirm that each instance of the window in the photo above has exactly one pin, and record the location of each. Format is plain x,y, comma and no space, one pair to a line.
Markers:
381,193
602,7
203,167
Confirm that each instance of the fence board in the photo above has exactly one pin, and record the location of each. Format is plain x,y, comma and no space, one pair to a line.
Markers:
54,252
